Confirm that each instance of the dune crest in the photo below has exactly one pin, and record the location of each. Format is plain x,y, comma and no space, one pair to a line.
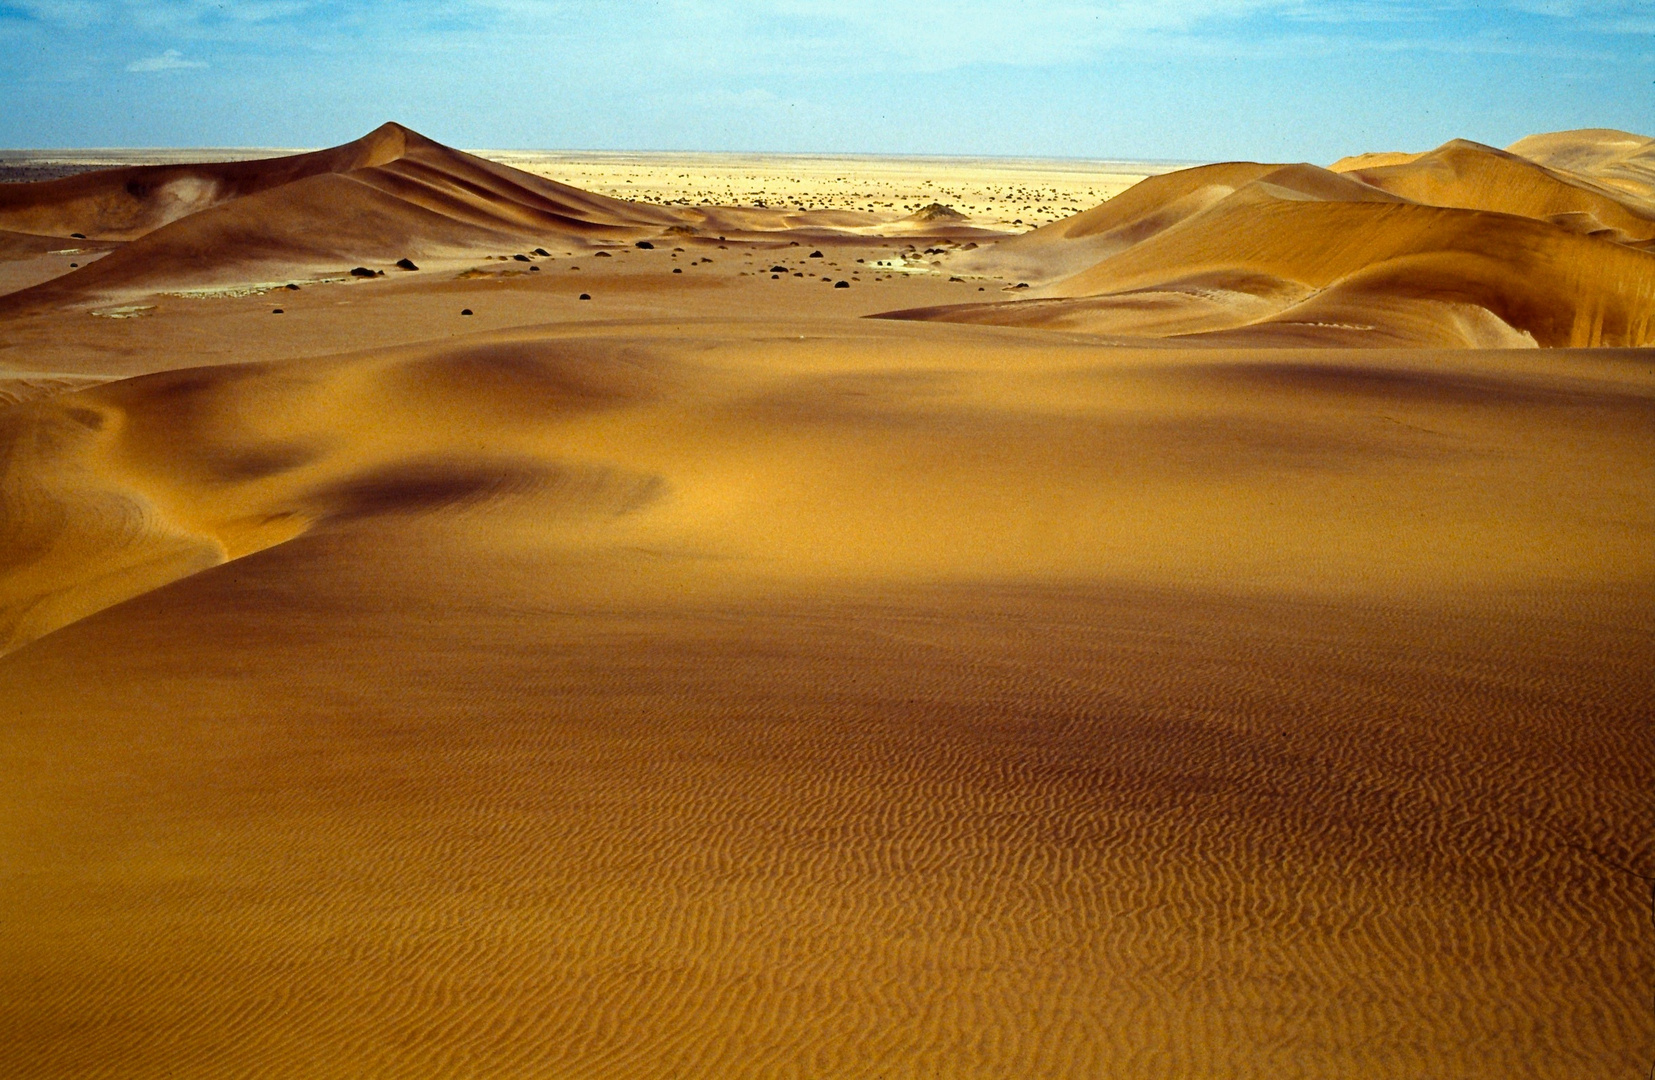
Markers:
1466,246
392,194
1617,159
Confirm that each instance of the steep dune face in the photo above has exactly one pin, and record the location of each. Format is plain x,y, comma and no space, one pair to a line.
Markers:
126,203
1616,159
112,492
393,194
1473,177
1558,287
1143,210
1465,246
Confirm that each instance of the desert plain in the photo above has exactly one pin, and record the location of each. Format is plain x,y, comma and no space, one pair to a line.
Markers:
535,615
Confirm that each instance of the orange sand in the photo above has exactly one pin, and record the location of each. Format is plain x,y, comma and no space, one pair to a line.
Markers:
704,679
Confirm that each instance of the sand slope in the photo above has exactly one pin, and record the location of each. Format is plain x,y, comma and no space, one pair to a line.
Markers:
1616,159
391,195
870,699
116,489
1465,246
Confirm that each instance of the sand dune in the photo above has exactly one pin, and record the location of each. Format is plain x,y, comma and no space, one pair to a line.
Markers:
117,489
1616,159
391,195
635,662
1465,246
1473,177
754,698
126,203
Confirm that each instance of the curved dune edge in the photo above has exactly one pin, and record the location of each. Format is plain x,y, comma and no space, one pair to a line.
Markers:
898,453
391,195
1466,246
111,492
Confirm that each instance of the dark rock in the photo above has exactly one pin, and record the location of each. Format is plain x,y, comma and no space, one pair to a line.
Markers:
292,287
362,271
817,255
275,311
677,270
543,253
407,264
534,269
586,296
78,235
521,258
603,255
465,311
841,285
778,269
645,244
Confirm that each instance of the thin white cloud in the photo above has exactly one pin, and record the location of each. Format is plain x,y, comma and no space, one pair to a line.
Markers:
75,14
171,60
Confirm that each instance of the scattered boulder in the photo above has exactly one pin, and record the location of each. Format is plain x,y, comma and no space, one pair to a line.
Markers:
603,255
937,212
292,287
543,253
841,285
362,271
677,270
407,264
275,311
645,244
465,311
534,269
817,255
521,258
778,269
77,236
586,296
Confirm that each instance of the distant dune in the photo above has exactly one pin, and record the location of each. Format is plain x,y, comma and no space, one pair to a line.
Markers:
1616,159
390,195
1464,246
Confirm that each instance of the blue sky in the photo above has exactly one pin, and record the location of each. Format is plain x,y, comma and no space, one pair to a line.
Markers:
1176,79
